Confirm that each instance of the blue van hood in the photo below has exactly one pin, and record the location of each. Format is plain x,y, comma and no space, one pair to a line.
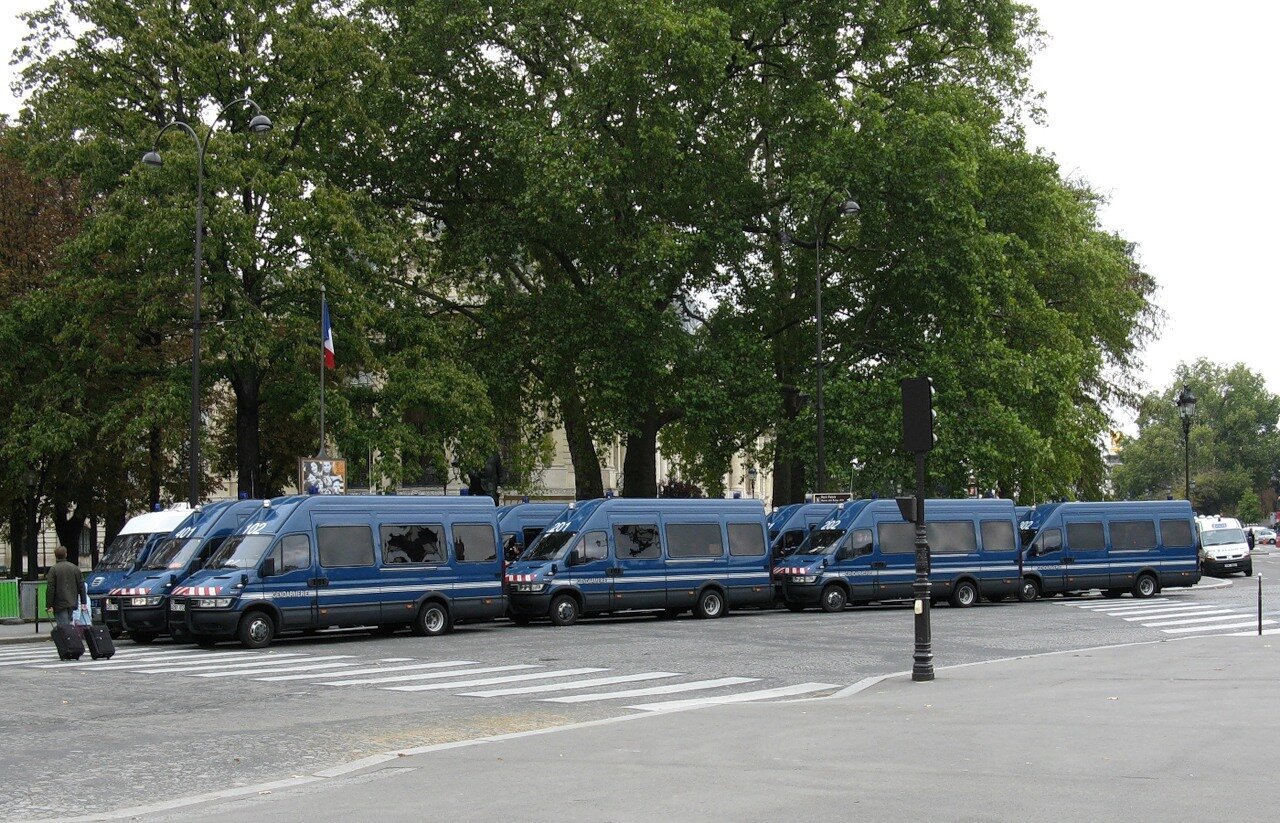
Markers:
101,583
151,582
800,565
211,581
529,570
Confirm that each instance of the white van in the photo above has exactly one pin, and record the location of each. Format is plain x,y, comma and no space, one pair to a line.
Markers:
1224,549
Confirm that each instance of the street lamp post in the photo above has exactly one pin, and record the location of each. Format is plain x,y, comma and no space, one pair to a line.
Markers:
847,208
31,479
259,124
855,466
1186,403
973,485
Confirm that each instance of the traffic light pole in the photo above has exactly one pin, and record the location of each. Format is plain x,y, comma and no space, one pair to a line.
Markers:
922,665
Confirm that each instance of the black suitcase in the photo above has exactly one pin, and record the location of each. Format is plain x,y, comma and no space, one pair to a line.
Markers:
98,640
68,641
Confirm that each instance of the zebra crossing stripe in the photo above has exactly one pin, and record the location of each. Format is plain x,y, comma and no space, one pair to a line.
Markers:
1159,607
1185,629
1115,604
741,697
303,667
674,688
1253,633
195,661
247,664
374,670
488,681
576,684
1179,613
1189,620
115,663
369,681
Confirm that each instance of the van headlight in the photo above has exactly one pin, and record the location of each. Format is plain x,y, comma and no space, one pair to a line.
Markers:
212,602
146,601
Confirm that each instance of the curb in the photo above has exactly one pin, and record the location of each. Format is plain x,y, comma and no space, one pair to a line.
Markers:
31,638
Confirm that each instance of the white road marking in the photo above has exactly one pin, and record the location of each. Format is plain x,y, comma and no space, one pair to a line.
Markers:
741,697
251,664
1159,607
396,660
1114,604
1185,629
489,681
1179,613
367,681
1185,621
119,662
576,684
306,666
1253,633
697,685
376,670
193,661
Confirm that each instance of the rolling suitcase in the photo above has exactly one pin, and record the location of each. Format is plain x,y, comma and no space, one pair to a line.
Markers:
98,640
68,642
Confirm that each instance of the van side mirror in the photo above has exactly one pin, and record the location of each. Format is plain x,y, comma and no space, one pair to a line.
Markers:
269,567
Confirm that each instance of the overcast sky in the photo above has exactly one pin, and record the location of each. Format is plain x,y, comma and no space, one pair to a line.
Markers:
1169,110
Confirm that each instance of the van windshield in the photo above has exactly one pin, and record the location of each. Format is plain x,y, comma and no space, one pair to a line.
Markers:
548,547
173,553
1220,537
123,552
820,541
240,551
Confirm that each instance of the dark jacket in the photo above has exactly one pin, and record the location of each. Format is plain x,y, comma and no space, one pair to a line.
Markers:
66,586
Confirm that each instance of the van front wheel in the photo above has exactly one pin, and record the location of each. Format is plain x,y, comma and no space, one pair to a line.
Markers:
256,630
1029,590
710,604
1145,586
834,599
564,611
432,620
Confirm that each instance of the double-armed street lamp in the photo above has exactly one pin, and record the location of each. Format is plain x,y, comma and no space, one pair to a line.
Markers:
1186,403
259,124
847,208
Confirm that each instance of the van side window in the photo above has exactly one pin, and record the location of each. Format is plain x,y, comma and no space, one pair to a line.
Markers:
295,553
412,544
1176,533
793,538
595,546
1086,536
1049,540
685,540
637,542
1133,535
950,537
860,542
896,538
997,536
746,540
531,534
345,546
474,543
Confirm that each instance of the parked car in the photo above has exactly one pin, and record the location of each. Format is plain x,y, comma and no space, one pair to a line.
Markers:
1263,534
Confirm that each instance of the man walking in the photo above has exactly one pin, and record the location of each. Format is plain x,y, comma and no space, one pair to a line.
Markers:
66,589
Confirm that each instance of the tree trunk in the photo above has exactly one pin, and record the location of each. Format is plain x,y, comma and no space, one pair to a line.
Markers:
788,467
116,517
247,384
155,468
17,536
587,480
68,527
93,540
640,466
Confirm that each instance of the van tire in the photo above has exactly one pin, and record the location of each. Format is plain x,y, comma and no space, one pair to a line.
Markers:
710,605
833,598
564,610
432,620
963,595
256,630
1145,586
1028,590
142,638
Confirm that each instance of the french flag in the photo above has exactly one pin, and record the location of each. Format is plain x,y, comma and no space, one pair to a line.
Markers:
327,335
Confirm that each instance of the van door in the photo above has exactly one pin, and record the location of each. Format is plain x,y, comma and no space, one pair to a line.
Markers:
1085,554
414,561
894,559
853,561
349,588
1044,556
292,587
589,571
695,555
639,576
1132,547
477,568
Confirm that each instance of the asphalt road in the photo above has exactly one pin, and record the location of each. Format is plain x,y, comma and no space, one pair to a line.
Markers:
169,721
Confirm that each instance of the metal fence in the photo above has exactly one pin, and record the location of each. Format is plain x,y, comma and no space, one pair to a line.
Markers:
10,605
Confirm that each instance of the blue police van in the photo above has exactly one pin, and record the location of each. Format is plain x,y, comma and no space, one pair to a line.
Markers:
312,562
1134,546
866,552
519,524
140,604
127,552
622,554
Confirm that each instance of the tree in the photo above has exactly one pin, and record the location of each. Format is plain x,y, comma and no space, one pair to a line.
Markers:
1234,442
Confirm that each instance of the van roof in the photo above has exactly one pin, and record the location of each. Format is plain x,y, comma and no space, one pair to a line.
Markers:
161,522
1041,514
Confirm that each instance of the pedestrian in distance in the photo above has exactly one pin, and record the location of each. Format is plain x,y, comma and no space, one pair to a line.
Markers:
1249,538
66,590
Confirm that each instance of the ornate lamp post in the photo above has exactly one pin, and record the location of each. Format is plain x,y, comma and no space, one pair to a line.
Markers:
259,124
1186,403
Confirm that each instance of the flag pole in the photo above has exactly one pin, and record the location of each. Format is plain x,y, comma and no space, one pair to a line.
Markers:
323,333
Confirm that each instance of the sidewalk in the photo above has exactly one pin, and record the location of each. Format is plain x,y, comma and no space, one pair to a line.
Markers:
25,632
1159,731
